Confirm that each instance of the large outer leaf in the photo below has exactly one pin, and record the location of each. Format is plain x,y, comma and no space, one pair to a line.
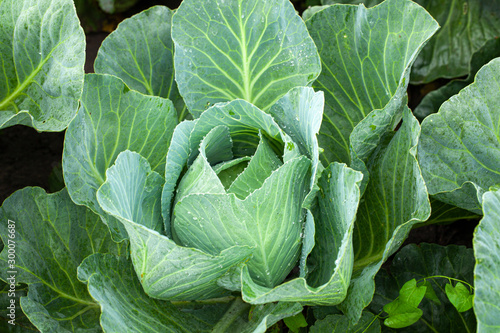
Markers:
366,57
395,199
341,324
459,151
113,119
254,50
334,219
42,52
125,307
165,269
52,237
425,260
141,53
487,269
465,27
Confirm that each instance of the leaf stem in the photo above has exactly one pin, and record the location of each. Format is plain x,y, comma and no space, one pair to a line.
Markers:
234,311
428,325
446,277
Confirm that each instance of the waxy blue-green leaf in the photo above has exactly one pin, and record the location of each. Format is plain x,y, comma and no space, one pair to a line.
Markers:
125,307
395,199
253,50
459,151
487,269
112,119
341,324
244,122
420,262
166,270
465,27
42,52
141,53
51,238
299,113
366,57
334,219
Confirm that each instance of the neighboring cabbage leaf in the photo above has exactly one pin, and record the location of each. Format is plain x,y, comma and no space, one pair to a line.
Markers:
487,269
42,52
465,27
141,53
52,237
459,151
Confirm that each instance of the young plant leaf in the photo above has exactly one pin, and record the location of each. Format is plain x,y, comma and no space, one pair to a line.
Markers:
459,296
294,323
487,270
51,238
42,52
430,293
459,148
256,51
420,262
112,119
404,310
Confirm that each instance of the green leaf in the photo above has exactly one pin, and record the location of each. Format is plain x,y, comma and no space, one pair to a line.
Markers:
42,52
294,323
334,218
368,323
433,100
395,200
459,296
166,270
459,148
125,307
442,213
244,122
465,27
225,50
404,311
420,262
113,119
266,220
487,270
366,56
51,236
141,53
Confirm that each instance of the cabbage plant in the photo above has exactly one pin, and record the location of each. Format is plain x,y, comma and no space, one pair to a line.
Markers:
231,166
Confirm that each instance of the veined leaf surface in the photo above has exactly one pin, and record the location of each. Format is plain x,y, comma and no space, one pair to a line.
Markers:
395,199
52,237
459,151
113,119
141,53
253,50
366,57
42,52
487,270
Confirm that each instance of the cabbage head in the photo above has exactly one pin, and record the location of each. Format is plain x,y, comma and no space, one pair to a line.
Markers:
235,211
